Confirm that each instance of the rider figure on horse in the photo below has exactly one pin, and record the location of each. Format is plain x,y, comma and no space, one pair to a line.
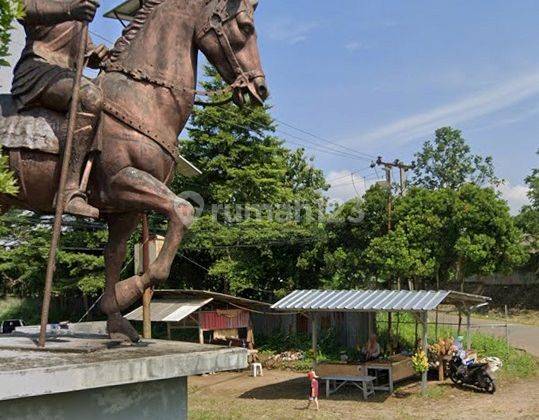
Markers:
45,76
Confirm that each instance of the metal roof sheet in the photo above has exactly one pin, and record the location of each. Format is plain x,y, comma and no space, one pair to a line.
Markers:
126,11
372,300
170,310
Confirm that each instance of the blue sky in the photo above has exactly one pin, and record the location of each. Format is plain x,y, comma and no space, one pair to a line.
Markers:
378,77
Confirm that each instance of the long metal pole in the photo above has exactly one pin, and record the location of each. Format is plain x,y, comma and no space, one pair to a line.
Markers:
60,198
147,296
389,280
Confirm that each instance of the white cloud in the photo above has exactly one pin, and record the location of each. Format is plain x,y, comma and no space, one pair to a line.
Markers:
290,30
515,195
345,186
353,46
467,109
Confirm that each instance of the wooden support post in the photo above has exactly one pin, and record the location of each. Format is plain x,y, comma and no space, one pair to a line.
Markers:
314,328
506,325
250,336
370,317
424,320
169,335
389,335
468,335
200,335
397,342
415,332
436,326
147,297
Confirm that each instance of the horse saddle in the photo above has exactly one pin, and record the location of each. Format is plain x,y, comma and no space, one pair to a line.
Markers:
45,130
36,129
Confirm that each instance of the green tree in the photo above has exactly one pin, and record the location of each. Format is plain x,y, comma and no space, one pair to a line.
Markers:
443,235
8,184
261,203
9,11
447,162
26,242
488,240
528,220
347,233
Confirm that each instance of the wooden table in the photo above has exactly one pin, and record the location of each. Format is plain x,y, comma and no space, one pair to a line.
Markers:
380,367
365,383
398,367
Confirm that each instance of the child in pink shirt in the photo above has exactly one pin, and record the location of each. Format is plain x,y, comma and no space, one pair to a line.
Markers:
313,394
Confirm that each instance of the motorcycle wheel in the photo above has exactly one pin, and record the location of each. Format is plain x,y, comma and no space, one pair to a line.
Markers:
490,386
454,378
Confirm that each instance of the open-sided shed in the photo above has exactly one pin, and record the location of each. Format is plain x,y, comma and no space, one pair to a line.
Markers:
417,302
213,313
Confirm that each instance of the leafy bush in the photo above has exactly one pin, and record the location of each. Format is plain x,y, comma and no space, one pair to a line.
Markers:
279,342
516,364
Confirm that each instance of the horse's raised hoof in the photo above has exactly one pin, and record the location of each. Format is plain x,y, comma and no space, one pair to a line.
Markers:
120,329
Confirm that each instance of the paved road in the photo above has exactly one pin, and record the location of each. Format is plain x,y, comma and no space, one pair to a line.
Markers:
521,336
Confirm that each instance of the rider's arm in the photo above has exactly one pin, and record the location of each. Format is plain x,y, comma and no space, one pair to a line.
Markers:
51,12
47,12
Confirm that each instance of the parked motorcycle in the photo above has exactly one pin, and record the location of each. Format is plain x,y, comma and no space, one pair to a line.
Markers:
479,375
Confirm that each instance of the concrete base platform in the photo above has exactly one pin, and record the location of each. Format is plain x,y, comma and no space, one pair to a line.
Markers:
112,383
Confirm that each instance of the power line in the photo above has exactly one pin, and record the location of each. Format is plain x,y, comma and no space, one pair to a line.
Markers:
327,149
194,262
366,178
347,175
320,148
323,139
101,37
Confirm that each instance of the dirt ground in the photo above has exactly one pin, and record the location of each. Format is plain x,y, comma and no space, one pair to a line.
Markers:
283,395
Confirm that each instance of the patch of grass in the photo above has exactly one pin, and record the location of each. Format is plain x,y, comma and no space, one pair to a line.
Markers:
516,363
17,308
516,315
434,392
29,310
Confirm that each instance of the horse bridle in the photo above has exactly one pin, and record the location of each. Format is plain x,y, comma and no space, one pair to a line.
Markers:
218,19
243,79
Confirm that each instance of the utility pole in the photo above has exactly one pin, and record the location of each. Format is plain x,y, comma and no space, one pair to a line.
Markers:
147,296
388,167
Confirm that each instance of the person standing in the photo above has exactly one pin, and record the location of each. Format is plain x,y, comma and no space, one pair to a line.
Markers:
313,394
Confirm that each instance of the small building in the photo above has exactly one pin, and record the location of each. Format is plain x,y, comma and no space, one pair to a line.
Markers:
224,319
319,303
218,318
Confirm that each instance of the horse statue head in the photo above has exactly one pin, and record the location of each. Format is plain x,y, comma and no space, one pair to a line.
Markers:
226,35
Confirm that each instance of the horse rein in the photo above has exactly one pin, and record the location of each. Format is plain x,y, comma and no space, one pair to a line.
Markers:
243,79
219,17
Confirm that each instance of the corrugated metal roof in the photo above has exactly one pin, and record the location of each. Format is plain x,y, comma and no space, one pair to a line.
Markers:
236,301
170,310
371,300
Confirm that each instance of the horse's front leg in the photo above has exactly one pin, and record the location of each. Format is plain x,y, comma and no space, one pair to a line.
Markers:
137,191
121,227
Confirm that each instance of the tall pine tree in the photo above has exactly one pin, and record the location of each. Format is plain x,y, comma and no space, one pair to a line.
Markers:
261,203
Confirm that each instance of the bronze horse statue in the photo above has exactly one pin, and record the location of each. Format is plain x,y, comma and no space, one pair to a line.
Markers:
149,88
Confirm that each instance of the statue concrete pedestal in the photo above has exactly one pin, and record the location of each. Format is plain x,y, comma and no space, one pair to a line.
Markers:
101,380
